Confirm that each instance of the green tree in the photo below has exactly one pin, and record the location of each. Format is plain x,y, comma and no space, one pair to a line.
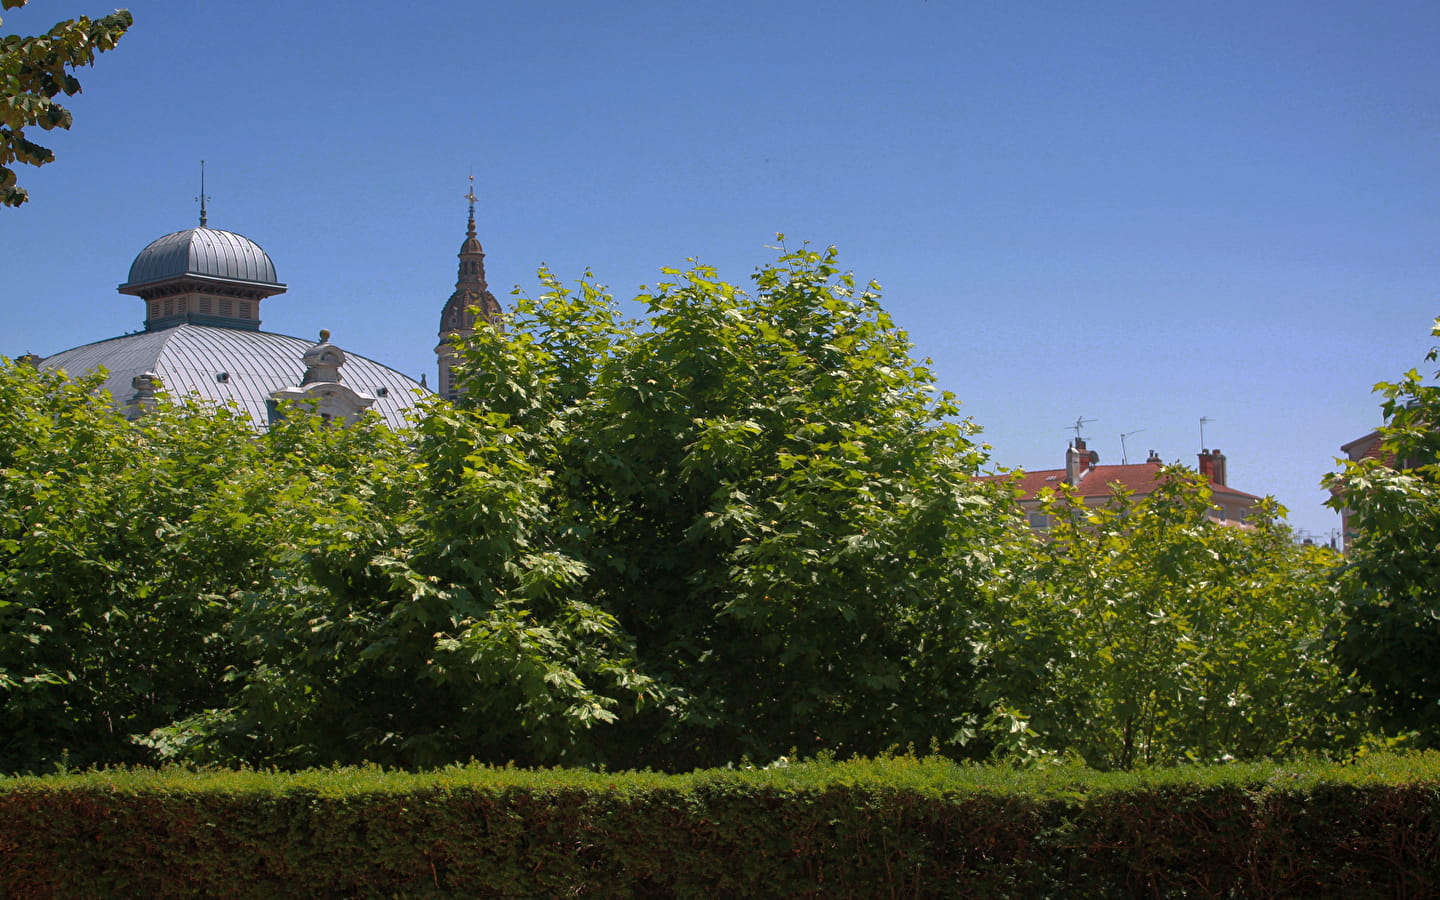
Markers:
744,523
121,549
33,72
769,496
1141,633
1388,635
408,617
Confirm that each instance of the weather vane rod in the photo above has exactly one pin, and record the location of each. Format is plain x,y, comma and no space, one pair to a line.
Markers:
202,198
470,195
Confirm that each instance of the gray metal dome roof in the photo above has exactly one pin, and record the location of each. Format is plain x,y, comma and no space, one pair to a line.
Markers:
202,251
227,365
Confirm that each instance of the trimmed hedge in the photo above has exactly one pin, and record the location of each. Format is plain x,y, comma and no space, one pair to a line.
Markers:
865,828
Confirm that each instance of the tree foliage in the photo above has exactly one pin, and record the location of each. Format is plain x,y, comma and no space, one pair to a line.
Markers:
33,72
741,524
1389,633
120,548
1142,633
768,494
738,523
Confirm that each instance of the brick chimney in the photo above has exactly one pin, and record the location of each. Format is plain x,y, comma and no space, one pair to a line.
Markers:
1212,466
1078,461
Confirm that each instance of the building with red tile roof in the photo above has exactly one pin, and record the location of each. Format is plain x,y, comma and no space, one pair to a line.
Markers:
1094,484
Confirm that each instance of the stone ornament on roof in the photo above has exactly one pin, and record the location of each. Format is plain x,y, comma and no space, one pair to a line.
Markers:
321,391
147,384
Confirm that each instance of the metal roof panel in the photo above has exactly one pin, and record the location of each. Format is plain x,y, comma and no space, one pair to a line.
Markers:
229,365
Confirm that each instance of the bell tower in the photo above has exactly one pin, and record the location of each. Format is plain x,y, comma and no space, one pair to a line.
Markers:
472,297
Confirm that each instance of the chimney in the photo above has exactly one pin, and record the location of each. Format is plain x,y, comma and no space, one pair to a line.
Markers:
1078,461
1212,466
1153,458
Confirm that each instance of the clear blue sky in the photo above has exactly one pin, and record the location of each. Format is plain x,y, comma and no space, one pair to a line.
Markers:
1140,213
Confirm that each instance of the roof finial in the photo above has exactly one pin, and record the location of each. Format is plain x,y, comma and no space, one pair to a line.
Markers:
202,198
470,195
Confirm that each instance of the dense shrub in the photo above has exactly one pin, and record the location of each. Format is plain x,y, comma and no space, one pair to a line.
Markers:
890,827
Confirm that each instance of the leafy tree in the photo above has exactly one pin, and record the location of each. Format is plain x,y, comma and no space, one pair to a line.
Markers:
1388,635
181,587
742,525
1141,633
769,496
120,550
408,617
33,72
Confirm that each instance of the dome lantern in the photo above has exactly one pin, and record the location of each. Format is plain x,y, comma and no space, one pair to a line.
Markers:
204,276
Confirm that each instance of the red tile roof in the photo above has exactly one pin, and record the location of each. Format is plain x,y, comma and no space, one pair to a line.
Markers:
1100,481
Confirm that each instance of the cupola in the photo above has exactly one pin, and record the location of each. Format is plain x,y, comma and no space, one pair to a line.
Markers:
204,276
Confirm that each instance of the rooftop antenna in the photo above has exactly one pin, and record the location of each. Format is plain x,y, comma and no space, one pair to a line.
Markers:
1124,457
1080,422
202,198
1203,420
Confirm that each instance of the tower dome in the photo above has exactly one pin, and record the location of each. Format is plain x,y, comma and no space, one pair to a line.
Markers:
203,276
204,252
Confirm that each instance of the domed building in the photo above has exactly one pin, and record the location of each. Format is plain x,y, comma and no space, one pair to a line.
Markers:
202,289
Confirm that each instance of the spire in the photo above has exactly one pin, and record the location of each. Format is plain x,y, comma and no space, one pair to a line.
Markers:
470,195
471,299
471,277
202,198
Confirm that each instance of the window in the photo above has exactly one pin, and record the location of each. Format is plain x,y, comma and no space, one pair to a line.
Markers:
244,310
205,304
227,308
1039,521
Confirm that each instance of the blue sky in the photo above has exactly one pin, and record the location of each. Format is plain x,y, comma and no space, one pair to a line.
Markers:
1137,213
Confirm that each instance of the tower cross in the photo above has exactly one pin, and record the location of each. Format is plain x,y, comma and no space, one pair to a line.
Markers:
470,195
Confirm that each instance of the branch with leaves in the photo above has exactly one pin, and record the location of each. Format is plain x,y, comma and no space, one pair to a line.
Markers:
33,72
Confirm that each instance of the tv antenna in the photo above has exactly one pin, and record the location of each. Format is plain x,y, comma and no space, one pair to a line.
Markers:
1080,422
1124,457
1203,421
